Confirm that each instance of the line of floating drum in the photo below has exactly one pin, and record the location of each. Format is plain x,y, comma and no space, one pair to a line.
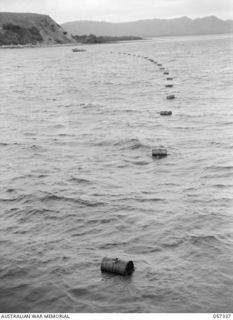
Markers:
114,265
160,152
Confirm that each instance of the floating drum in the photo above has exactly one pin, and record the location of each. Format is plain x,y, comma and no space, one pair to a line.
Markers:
162,68
165,113
169,85
169,78
171,97
166,72
114,265
159,64
159,153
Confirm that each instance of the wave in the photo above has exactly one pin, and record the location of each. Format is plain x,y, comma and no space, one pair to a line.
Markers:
129,143
204,239
15,199
5,144
139,162
219,168
196,240
35,148
81,202
80,180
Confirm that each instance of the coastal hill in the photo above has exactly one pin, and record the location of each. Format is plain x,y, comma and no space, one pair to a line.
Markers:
30,28
152,28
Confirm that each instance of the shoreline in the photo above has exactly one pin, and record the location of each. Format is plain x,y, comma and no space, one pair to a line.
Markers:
34,46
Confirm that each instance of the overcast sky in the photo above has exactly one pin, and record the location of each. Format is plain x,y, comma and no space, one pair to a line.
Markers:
120,10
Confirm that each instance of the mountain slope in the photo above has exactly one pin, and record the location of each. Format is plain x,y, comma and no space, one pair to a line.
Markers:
30,28
152,28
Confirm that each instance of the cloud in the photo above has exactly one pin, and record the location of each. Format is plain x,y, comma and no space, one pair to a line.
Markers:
120,10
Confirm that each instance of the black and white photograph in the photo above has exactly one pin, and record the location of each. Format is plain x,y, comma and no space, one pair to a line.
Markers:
116,158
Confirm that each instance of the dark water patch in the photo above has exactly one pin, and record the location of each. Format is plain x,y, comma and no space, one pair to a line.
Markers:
65,135
80,180
51,99
5,242
80,234
58,126
197,241
67,106
123,144
102,220
14,272
173,243
79,292
30,134
13,199
41,176
219,168
35,148
21,232
11,190
138,199
81,202
109,83
91,106
203,240
137,162
131,144
142,249
227,123
112,245
217,174
222,186
129,111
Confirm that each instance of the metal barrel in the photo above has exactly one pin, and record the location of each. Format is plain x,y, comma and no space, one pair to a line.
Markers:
159,153
114,265
171,97
165,113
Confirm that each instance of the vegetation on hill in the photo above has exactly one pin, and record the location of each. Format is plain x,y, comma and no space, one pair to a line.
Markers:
30,28
14,35
93,39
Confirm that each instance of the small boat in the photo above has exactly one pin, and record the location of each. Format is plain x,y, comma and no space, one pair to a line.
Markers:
78,50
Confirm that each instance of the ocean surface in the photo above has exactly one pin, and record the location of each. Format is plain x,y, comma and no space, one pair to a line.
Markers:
78,181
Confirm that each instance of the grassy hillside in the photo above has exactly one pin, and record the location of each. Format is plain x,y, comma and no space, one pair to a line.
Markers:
30,28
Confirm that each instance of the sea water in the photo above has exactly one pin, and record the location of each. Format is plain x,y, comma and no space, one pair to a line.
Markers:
78,181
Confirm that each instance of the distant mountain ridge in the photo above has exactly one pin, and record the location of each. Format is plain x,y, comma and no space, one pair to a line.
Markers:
30,28
152,28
